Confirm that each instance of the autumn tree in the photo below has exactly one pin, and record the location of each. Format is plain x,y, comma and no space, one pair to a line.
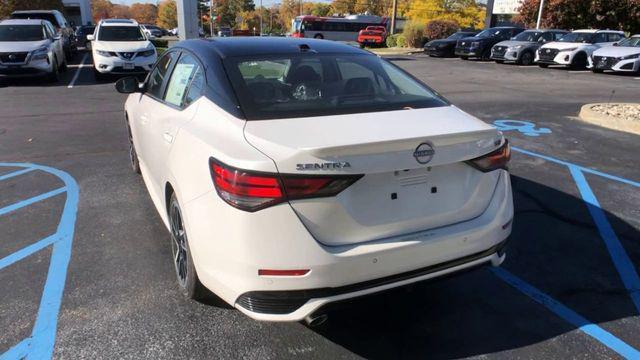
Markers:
344,6
288,10
9,6
144,13
100,9
576,14
373,7
167,14
320,9
120,11
465,12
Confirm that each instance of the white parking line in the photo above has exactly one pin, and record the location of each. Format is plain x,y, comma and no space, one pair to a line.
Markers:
75,76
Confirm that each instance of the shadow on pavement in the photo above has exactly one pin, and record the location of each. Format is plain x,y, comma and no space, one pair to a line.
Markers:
555,246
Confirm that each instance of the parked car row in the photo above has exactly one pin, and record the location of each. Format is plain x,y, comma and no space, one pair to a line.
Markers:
598,50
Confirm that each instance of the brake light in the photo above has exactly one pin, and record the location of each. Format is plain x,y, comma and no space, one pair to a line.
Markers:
298,34
253,191
496,159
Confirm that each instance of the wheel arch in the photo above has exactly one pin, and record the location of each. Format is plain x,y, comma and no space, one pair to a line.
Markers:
168,192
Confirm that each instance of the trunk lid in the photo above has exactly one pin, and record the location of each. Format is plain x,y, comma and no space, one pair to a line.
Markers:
397,194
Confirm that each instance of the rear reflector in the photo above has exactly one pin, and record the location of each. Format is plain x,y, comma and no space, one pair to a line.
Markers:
496,159
269,272
252,191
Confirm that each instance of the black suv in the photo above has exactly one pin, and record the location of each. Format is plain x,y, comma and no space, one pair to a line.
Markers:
59,22
479,46
445,47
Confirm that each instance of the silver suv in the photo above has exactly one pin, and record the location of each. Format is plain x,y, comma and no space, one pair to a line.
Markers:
521,49
30,48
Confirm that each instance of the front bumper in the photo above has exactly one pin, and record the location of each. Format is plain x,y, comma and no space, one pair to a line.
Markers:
32,68
508,55
436,51
562,58
116,65
465,51
227,255
614,64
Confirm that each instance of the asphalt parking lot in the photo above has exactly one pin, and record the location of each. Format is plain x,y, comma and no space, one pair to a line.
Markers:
568,289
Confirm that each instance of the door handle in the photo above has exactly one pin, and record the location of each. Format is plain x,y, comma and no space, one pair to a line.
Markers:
168,137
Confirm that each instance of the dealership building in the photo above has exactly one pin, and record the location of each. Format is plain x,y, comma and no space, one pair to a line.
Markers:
501,12
77,11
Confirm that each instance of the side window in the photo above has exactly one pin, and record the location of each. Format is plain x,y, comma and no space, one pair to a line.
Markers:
559,36
196,89
600,38
183,74
157,75
614,37
547,37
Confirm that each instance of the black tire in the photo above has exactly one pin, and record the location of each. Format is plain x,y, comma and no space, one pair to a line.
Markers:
97,75
188,281
597,71
318,36
486,55
500,61
579,62
464,57
526,58
133,154
55,75
63,66
544,66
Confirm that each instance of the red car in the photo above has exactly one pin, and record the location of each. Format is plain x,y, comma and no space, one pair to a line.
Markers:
372,35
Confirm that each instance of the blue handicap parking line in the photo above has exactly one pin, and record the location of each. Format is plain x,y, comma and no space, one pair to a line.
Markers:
40,344
575,319
618,254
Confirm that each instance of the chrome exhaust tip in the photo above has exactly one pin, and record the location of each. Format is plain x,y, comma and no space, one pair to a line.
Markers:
316,320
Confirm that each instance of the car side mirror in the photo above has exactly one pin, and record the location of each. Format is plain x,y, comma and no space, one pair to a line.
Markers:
90,37
128,85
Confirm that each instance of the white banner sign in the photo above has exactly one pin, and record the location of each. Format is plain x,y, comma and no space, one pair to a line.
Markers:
506,6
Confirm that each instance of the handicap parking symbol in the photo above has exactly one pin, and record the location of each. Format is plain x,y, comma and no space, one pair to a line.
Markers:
525,127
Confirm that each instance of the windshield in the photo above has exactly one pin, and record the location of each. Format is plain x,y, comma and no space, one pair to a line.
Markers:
489,32
577,37
295,25
21,33
301,85
459,35
631,42
530,36
120,33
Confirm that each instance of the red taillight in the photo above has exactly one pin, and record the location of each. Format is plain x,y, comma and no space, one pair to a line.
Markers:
298,34
269,272
252,191
496,159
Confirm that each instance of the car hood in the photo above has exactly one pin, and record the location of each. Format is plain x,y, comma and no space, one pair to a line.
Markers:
563,45
21,46
473,38
122,46
510,43
617,51
441,42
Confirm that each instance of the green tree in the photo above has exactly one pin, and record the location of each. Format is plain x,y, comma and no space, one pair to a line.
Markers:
168,14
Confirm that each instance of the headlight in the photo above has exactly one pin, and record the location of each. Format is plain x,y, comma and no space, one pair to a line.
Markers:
570,49
147,53
517,47
103,53
475,44
40,53
634,56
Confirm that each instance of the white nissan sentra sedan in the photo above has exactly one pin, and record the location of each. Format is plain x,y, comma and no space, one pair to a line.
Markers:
293,173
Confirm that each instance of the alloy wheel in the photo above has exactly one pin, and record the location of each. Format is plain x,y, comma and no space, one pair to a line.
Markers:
179,245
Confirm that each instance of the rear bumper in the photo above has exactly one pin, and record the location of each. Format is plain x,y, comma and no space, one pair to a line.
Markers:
227,255
370,39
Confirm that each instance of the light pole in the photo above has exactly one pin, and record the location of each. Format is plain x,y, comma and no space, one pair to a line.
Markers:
261,17
540,14
211,17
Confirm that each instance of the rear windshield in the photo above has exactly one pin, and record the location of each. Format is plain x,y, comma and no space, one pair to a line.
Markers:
42,16
21,33
304,85
120,33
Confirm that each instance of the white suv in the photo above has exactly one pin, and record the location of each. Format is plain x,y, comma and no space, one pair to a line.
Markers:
574,49
121,47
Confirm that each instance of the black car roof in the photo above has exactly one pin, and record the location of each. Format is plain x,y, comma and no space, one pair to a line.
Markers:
250,46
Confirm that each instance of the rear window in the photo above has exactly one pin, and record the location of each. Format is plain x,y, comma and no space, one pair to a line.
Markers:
303,85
